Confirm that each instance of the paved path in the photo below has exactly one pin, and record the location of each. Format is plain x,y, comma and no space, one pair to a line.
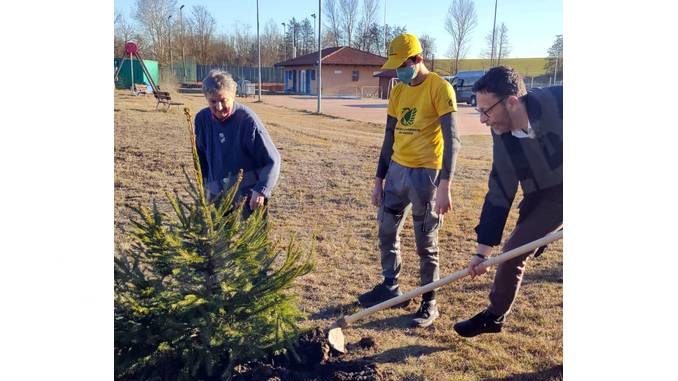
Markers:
370,110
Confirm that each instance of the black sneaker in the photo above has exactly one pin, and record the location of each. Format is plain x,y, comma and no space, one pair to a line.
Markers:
426,314
381,293
484,322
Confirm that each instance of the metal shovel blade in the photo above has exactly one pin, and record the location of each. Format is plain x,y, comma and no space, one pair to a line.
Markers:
336,339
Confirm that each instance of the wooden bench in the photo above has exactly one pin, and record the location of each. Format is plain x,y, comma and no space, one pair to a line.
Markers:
165,98
140,88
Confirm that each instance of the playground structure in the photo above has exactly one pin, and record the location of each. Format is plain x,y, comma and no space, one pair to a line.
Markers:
132,49
162,97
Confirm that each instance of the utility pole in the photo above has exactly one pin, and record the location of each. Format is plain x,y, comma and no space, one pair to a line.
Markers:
320,57
294,42
313,15
385,32
183,56
494,30
501,40
284,40
259,50
169,30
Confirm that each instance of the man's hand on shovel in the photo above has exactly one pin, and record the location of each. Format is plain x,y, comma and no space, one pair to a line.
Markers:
475,266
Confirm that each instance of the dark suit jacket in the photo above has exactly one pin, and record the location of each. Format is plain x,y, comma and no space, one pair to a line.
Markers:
536,163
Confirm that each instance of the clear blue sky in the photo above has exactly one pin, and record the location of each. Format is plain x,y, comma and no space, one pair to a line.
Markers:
532,24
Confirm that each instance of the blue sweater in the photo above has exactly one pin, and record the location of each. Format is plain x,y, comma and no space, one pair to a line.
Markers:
239,142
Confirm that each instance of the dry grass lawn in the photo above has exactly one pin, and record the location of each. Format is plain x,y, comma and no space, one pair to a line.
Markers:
323,197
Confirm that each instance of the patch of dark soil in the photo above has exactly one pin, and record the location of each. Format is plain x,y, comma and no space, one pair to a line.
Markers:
364,343
310,359
334,370
313,348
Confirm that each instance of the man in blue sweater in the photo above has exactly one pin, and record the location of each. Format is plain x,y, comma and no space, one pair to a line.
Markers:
229,138
527,135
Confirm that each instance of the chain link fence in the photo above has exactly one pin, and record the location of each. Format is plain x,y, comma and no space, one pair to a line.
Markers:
531,82
246,73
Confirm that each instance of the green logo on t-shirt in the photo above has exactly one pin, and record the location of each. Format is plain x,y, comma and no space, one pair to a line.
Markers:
408,116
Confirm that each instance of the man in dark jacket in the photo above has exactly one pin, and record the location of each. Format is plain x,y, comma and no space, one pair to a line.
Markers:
527,134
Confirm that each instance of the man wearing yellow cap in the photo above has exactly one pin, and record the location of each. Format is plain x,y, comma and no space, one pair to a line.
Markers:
414,171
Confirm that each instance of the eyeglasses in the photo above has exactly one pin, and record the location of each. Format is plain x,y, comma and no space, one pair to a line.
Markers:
486,112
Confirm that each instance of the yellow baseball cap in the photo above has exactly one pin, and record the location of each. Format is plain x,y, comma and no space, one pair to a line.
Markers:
400,49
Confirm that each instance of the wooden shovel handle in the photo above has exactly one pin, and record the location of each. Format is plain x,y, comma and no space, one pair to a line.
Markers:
452,277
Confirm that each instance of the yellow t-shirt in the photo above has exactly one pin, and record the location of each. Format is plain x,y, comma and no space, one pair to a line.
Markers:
418,140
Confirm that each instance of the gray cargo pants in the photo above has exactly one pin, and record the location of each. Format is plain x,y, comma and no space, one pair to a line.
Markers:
405,189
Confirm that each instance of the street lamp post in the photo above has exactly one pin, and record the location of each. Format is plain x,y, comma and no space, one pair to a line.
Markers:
385,31
183,56
169,31
494,29
259,50
320,71
284,41
285,55
294,37
313,15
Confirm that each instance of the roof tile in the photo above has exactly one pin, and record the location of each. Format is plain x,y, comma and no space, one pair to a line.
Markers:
342,55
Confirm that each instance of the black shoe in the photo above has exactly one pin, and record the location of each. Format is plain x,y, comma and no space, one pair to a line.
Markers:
484,322
426,314
381,293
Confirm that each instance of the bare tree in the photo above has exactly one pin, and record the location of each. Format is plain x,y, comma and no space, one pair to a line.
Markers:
203,31
328,39
222,51
489,49
124,31
331,14
152,17
245,44
348,18
555,58
503,43
367,20
271,44
428,47
460,22
501,46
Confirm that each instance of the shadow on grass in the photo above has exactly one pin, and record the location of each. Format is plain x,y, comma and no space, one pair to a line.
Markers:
144,110
478,286
335,311
554,373
402,321
414,377
551,275
369,105
397,355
